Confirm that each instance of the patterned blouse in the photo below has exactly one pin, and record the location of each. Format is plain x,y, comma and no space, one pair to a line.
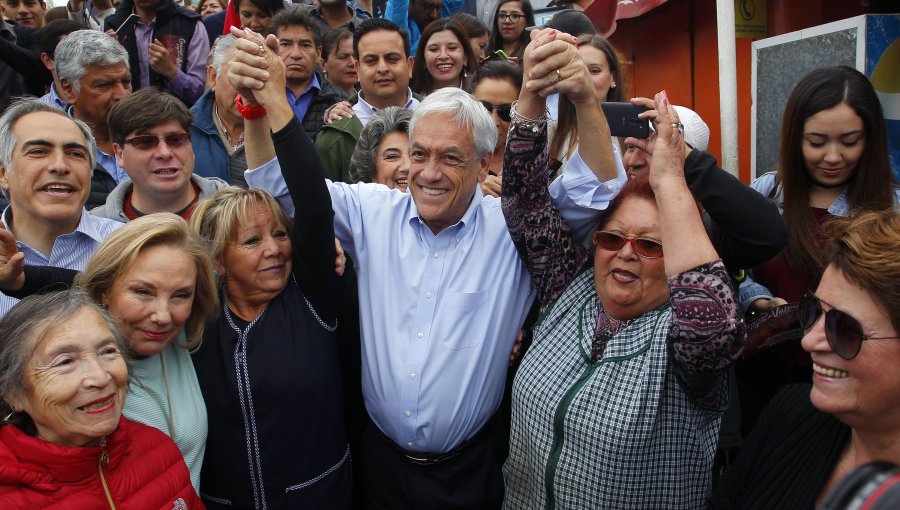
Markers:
607,413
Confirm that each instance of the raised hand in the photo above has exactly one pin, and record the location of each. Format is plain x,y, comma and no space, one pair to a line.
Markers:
161,60
256,72
669,147
12,262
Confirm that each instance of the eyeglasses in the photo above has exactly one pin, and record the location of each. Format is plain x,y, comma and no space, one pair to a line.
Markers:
844,333
503,110
512,17
647,248
430,7
149,142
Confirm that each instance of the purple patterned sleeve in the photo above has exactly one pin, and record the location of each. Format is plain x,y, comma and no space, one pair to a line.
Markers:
706,332
543,239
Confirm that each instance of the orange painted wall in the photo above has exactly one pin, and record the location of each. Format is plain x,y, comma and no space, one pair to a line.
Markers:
674,47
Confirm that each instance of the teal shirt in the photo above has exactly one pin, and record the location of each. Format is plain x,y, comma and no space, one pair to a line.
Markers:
163,392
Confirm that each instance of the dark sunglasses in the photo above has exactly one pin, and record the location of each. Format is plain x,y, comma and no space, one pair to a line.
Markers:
844,333
647,248
503,110
149,142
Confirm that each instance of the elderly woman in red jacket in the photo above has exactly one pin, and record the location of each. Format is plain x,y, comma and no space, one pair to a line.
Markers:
63,440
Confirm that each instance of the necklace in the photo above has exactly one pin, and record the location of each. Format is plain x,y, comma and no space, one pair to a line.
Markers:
223,133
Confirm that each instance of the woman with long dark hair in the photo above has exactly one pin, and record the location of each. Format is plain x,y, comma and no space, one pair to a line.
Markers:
508,27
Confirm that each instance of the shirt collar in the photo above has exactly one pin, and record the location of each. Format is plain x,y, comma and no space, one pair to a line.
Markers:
361,99
85,225
468,217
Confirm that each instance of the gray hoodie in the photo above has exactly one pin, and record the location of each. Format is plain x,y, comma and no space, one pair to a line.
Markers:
115,203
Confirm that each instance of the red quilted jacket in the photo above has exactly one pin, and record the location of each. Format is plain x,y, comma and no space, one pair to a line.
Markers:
144,471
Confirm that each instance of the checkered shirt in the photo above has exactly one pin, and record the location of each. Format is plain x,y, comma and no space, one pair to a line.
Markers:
617,433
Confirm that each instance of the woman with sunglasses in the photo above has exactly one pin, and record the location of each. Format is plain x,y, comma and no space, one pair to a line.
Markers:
809,437
834,159
509,34
496,85
617,402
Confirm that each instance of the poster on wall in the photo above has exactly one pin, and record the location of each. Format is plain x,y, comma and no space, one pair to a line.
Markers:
883,70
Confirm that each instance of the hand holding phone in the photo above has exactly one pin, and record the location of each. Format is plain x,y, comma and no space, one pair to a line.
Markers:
623,120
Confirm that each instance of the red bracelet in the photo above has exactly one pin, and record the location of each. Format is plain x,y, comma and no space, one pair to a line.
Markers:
249,112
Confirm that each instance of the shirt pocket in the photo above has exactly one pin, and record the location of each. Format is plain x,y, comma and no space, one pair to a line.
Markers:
462,311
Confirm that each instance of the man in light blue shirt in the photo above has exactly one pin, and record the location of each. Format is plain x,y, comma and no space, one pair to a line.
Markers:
46,160
442,295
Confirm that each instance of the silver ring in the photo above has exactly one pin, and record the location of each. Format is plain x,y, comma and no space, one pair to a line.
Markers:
679,126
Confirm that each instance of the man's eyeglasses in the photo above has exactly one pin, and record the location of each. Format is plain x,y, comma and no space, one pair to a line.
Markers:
503,110
149,142
647,248
512,17
844,333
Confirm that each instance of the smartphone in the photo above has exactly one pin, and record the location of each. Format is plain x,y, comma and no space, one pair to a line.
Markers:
125,23
623,120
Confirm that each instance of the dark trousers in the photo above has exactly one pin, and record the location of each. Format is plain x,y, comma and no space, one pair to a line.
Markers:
470,480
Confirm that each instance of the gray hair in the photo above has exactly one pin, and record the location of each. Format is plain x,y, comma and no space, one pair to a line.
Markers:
220,47
383,122
469,115
84,48
26,106
24,327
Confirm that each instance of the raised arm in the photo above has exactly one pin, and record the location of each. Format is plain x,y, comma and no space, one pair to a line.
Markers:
706,331
552,254
257,73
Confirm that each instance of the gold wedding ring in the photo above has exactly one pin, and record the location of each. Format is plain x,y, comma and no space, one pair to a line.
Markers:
558,76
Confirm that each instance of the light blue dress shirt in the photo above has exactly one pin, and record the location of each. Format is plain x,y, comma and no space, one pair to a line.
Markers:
70,251
438,313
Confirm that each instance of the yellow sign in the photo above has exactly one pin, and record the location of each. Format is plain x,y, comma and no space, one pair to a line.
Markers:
750,18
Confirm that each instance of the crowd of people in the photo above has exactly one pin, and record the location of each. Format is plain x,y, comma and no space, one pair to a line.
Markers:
389,255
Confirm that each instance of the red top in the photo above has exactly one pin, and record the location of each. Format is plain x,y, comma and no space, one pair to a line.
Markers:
145,471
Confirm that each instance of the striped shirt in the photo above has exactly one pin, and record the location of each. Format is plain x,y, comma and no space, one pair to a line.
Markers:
53,99
70,251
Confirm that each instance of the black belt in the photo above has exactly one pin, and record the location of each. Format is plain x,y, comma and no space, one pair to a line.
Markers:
431,459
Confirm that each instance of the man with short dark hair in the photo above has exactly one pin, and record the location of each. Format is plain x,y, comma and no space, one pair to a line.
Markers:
383,62
26,13
300,46
167,46
45,170
151,134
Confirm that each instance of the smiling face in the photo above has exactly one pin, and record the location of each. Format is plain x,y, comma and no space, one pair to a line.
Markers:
152,299
863,391
254,18
75,382
101,88
630,285
598,66
444,172
159,173
511,30
341,66
257,263
833,144
28,13
392,161
497,93
383,69
49,178
445,59
298,50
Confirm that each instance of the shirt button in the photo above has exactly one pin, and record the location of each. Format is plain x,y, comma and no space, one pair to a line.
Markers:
428,295
409,445
437,254
420,334
407,413
610,187
412,375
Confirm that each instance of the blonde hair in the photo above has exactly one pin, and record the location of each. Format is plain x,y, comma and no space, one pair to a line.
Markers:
217,218
122,248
